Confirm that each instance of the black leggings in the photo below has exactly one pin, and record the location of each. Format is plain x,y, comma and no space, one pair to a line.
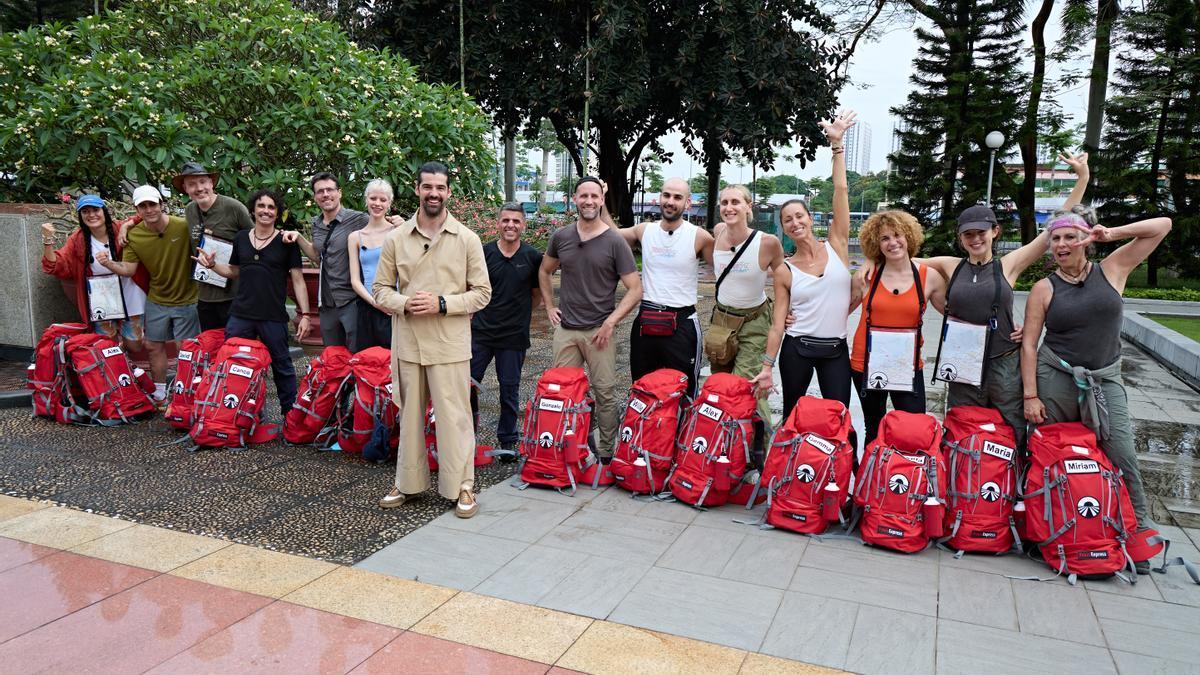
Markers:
796,371
874,402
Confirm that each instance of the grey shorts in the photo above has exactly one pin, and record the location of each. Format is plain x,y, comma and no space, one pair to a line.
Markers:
165,323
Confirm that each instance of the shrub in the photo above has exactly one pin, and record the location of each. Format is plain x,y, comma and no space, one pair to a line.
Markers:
263,92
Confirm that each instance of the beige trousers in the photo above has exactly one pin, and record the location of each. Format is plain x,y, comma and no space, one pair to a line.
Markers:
574,348
448,386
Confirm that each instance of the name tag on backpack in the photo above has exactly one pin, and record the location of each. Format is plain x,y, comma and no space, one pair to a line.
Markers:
637,405
1081,466
997,450
111,351
819,443
550,404
241,370
915,459
710,412
185,355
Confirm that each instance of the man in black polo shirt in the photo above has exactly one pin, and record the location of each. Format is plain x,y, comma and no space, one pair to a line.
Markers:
501,330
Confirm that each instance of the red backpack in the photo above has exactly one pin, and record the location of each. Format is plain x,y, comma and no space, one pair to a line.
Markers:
646,446
554,439
900,483
982,483
107,379
484,454
313,418
49,377
370,402
713,447
231,396
196,357
1077,506
808,467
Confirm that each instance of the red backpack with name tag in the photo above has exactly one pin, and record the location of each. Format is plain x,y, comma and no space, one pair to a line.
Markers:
483,453
107,379
646,446
981,482
371,403
808,467
50,377
900,483
196,356
713,447
1076,504
554,439
313,419
231,396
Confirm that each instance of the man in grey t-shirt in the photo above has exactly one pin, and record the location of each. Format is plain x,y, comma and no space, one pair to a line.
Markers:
592,258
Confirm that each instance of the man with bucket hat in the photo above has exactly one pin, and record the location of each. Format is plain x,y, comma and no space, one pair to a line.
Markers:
213,215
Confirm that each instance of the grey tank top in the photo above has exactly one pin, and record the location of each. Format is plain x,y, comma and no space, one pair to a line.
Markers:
1083,322
969,299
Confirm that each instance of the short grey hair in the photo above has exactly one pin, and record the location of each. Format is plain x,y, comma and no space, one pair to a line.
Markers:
1087,213
511,206
380,185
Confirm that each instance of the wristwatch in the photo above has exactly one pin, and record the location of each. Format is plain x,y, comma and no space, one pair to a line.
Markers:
441,304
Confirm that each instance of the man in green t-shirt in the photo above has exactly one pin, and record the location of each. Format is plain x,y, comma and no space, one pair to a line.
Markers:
162,245
216,216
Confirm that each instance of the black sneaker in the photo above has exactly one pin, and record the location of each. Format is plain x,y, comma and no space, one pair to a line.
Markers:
507,452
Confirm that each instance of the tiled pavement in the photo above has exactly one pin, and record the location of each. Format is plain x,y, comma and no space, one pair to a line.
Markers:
87,593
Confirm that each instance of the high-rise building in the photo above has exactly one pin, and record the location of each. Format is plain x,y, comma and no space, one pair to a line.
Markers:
858,148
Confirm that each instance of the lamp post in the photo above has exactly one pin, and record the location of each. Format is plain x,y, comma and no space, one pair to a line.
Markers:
994,140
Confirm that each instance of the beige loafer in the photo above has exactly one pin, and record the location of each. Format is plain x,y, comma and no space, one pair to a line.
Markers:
466,507
392,499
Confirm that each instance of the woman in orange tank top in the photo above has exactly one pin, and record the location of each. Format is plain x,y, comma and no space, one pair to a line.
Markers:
895,294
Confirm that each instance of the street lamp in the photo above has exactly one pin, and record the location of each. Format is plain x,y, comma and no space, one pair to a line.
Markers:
994,140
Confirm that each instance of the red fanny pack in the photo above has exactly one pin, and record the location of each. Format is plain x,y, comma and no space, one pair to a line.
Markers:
657,322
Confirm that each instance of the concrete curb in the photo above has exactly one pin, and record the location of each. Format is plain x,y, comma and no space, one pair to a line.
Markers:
1180,355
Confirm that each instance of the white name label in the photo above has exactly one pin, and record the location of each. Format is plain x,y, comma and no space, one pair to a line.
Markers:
710,412
1080,450
637,405
111,351
988,427
1081,466
915,459
820,443
553,387
550,404
185,355
996,450
244,348
713,398
241,370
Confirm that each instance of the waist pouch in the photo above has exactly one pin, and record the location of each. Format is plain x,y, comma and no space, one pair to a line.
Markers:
721,340
818,348
656,323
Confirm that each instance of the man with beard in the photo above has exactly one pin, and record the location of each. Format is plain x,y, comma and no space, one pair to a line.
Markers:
666,331
501,330
214,215
592,258
337,301
432,276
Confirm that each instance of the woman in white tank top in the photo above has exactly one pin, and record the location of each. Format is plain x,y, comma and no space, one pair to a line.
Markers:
819,288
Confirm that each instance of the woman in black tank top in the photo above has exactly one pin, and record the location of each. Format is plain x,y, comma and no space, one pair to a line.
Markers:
1080,308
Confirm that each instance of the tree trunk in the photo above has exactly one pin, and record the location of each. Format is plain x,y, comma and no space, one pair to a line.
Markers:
510,169
713,154
545,172
1106,15
612,172
1027,140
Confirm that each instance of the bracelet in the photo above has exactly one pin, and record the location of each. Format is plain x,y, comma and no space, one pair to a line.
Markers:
47,242
837,147
768,361
1029,397
838,151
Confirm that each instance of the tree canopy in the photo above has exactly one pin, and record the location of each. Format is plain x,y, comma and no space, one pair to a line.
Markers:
265,93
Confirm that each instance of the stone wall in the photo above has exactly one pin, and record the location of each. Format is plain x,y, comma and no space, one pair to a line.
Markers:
29,299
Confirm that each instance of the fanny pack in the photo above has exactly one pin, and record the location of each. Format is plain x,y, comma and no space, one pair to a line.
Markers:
818,348
721,341
654,321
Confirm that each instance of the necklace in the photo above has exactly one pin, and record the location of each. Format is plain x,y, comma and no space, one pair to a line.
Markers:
1075,278
260,243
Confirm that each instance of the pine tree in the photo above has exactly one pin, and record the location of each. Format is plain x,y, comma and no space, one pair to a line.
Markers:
1150,163
967,82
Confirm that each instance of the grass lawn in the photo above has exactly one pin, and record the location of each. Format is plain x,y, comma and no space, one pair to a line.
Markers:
1187,325
1166,279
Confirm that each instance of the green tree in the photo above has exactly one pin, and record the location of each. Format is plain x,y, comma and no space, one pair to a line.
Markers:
965,74
1150,159
266,93
652,167
21,14
546,142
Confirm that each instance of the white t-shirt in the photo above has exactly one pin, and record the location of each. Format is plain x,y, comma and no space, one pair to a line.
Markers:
135,297
821,304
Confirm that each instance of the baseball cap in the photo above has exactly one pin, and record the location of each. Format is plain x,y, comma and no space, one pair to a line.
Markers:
146,193
89,200
976,218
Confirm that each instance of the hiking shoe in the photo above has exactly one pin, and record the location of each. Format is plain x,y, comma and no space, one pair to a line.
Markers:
508,452
466,507
392,499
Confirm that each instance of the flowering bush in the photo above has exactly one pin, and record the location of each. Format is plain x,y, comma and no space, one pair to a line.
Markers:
265,93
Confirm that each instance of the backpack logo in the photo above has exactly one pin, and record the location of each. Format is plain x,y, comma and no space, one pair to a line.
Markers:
983,534
111,351
1092,555
309,371
230,401
948,372
700,445
805,473
124,380
1088,507
710,412
307,395
898,484
178,387
1081,466
241,370
626,435
550,404
997,450
546,439
990,492
877,381
637,405
890,531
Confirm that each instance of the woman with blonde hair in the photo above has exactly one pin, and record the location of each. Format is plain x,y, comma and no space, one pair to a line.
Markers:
886,357
364,247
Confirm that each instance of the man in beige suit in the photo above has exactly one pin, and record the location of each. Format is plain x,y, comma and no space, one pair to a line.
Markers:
432,276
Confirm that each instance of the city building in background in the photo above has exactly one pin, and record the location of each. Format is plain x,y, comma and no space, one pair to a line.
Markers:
858,148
